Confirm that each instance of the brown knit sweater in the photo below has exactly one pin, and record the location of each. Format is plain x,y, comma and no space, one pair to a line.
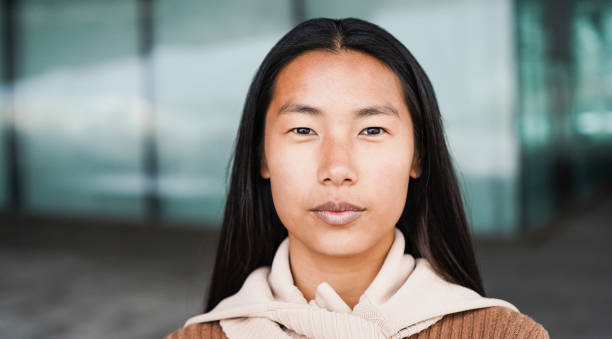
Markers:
486,323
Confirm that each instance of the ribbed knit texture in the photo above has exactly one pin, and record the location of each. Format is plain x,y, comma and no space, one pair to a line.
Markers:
485,323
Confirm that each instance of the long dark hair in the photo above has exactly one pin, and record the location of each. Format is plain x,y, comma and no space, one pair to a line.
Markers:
433,221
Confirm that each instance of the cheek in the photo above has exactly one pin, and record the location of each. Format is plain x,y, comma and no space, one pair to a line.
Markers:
385,175
291,175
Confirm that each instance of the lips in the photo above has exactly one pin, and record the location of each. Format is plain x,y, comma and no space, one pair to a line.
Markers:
338,213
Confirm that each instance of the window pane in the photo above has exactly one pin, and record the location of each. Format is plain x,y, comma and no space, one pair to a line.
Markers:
78,101
565,71
205,57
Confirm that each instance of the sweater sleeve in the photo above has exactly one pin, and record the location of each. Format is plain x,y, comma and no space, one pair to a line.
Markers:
210,330
485,323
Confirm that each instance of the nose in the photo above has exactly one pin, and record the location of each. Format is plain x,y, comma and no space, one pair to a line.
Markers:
336,167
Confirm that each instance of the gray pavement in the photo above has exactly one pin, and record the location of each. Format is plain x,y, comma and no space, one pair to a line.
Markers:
75,281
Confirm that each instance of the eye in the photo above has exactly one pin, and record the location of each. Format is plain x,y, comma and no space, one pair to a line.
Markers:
302,130
373,130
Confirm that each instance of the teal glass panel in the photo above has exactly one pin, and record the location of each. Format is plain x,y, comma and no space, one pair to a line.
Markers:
466,48
206,54
592,105
565,72
535,122
78,102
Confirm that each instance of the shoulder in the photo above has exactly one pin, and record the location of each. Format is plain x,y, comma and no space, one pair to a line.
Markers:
211,330
491,322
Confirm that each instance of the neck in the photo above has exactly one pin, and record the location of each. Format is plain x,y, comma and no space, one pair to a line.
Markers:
349,276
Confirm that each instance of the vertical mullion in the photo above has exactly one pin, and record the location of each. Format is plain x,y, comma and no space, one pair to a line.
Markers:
298,10
10,13
150,160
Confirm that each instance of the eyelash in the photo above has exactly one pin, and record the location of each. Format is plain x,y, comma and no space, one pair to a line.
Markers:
382,130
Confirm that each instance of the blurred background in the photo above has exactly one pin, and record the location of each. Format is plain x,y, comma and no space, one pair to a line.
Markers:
117,124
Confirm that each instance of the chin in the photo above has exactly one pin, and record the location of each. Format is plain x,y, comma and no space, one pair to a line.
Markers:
342,241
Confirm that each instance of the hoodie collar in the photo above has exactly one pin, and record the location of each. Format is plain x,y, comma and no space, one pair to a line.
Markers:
405,297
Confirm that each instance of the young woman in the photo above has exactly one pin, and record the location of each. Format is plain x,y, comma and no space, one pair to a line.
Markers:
344,218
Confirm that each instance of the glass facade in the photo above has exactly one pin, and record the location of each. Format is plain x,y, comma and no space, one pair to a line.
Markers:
105,123
77,101
206,54
565,72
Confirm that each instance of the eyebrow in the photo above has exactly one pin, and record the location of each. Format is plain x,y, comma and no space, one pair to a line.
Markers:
362,112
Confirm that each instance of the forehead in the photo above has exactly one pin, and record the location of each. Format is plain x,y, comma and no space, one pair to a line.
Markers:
348,77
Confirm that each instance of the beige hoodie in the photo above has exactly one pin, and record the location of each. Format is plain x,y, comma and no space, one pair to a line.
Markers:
405,297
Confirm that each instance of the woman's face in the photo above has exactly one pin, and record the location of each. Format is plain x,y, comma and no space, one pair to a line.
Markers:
337,130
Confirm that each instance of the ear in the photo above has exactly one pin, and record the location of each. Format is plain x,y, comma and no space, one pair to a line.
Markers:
415,167
263,167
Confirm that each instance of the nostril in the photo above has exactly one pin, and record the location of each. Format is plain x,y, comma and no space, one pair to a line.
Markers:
337,173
